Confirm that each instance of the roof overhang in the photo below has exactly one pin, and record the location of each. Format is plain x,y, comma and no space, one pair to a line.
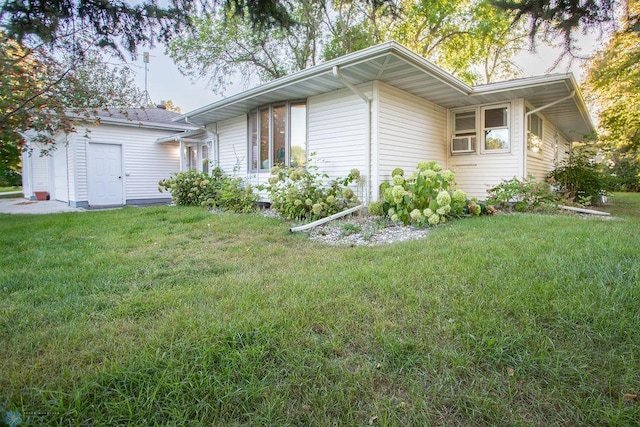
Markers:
400,67
195,136
105,120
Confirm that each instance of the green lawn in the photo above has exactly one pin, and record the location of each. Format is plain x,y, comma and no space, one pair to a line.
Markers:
171,315
9,189
5,190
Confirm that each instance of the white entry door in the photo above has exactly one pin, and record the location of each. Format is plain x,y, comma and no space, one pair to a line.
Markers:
104,166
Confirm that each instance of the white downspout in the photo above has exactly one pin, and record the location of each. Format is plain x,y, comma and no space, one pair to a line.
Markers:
526,124
367,100
181,154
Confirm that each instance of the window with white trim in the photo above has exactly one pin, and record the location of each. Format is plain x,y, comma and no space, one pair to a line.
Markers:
464,132
495,128
278,136
205,158
535,140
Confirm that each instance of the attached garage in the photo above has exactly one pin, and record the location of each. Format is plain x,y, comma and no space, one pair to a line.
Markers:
115,163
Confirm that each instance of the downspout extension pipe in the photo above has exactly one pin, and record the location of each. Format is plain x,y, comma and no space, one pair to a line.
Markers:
325,220
367,100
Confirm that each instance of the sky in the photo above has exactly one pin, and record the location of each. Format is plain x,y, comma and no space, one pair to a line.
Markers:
165,82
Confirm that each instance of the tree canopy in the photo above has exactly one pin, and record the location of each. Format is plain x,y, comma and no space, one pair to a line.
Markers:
470,38
37,88
614,78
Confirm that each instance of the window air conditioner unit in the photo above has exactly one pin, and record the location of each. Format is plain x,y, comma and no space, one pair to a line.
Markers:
462,144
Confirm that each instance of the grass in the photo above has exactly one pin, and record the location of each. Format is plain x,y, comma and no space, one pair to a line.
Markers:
9,189
5,190
170,315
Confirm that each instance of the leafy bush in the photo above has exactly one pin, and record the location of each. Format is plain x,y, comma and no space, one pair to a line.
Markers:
10,178
303,194
523,195
375,209
217,190
580,178
624,174
426,198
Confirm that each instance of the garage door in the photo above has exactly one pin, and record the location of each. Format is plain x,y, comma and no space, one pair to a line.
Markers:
104,164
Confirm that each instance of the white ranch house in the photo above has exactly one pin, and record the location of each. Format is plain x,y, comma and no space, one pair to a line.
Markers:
386,107
374,110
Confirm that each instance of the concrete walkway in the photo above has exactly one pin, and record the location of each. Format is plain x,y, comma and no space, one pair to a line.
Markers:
23,206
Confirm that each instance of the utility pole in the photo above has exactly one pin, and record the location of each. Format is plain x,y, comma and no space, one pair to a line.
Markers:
145,59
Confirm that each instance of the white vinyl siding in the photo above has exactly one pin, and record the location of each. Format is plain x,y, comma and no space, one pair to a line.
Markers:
145,161
337,131
409,130
60,173
40,171
233,138
540,166
476,173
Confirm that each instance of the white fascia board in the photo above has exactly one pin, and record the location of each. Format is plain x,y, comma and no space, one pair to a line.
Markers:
524,83
134,123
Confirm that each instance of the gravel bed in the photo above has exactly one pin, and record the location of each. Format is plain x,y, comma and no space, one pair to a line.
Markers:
364,231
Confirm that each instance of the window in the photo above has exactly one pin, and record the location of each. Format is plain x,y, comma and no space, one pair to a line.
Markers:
464,132
278,136
495,128
192,156
205,159
534,135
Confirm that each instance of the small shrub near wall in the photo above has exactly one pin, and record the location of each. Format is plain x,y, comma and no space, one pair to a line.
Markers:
426,198
581,179
523,195
215,190
305,194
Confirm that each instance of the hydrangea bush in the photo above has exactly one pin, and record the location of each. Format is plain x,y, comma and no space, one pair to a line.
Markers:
305,194
215,190
426,197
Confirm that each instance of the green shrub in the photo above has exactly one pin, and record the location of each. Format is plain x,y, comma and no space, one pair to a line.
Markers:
217,190
523,195
303,193
624,173
426,197
375,209
580,178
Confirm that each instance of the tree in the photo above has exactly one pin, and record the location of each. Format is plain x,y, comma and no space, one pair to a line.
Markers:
170,106
565,17
471,39
614,79
224,47
475,45
37,89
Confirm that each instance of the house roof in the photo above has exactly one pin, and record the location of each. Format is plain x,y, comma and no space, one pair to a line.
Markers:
398,66
157,118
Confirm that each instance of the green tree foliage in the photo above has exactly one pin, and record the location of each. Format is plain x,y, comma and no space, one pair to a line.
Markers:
470,38
563,17
36,89
225,46
114,23
613,79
